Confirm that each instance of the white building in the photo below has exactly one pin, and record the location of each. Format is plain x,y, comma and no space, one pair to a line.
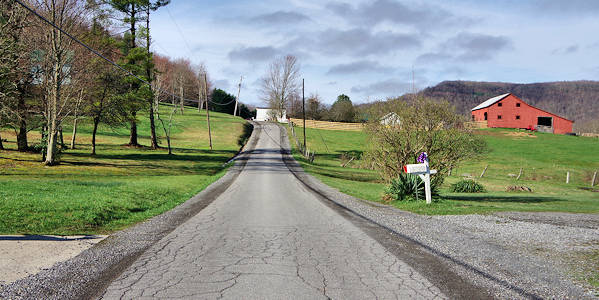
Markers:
390,119
268,114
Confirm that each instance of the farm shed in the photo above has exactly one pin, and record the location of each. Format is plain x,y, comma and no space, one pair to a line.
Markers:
509,111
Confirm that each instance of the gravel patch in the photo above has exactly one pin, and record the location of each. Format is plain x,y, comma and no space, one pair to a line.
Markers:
499,253
23,255
555,218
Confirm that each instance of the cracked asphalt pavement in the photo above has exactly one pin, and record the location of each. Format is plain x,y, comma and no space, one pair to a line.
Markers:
267,237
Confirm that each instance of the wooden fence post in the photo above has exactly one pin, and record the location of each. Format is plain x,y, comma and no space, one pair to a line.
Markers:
568,177
594,177
483,173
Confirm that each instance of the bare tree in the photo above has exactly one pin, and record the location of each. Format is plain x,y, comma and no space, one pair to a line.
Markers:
200,70
294,108
314,107
66,14
76,117
16,70
167,128
280,83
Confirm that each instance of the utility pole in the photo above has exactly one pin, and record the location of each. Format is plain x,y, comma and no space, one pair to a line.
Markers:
237,100
207,109
304,111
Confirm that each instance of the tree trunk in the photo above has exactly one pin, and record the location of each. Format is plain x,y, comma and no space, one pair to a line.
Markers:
76,119
1,145
22,134
96,122
199,96
74,133
133,136
168,142
53,122
55,92
132,28
153,126
153,138
51,151
61,136
181,95
44,139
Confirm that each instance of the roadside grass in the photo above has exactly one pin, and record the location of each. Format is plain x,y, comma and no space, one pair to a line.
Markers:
120,185
544,158
585,267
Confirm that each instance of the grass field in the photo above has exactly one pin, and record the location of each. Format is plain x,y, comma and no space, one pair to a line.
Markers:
119,186
544,158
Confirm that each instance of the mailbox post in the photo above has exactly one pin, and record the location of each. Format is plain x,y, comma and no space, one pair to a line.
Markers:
423,170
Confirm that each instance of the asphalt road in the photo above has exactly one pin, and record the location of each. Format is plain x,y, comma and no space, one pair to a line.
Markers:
267,237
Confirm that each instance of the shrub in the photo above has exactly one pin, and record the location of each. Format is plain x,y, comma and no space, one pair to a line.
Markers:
467,186
407,187
425,125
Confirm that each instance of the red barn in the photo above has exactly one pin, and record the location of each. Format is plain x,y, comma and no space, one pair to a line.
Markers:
509,111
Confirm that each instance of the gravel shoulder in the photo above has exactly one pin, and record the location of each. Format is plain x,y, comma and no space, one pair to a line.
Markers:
512,255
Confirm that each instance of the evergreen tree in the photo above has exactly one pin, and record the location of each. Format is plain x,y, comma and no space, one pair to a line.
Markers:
137,60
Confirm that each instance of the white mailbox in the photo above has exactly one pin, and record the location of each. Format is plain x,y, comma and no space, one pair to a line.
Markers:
424,172
415,168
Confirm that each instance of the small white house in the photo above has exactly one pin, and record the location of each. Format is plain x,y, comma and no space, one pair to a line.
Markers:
268,114
390,119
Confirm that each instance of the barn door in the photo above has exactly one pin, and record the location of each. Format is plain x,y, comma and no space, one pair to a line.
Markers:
545,124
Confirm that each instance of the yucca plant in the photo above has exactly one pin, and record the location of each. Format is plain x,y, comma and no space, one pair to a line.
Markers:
407,187
467,186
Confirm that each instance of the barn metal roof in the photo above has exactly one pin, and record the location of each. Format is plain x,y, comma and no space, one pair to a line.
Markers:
490,102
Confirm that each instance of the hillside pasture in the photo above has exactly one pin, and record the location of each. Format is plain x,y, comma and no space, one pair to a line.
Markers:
89,194
544,158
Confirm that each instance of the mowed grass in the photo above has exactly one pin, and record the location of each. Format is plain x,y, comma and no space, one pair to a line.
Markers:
119,186
544,158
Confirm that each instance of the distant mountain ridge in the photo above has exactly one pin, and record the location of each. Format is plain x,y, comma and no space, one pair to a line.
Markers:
574,100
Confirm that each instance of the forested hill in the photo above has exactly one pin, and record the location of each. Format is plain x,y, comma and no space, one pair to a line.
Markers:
575,100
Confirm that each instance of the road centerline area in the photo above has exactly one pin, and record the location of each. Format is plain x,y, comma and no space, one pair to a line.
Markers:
267,237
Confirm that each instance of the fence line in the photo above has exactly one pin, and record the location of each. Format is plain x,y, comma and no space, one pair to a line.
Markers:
330,125
309,155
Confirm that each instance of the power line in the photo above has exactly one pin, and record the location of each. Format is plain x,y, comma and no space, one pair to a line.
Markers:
129,73
179,30
189,51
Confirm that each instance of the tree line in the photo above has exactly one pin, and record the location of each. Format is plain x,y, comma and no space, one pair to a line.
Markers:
281,90
47,77
342,110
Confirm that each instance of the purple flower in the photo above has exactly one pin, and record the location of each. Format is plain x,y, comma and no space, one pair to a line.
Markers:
422,157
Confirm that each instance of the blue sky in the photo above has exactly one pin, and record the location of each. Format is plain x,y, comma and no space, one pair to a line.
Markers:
376,49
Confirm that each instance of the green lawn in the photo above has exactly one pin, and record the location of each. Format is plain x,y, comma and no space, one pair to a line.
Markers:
545,159
119,186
